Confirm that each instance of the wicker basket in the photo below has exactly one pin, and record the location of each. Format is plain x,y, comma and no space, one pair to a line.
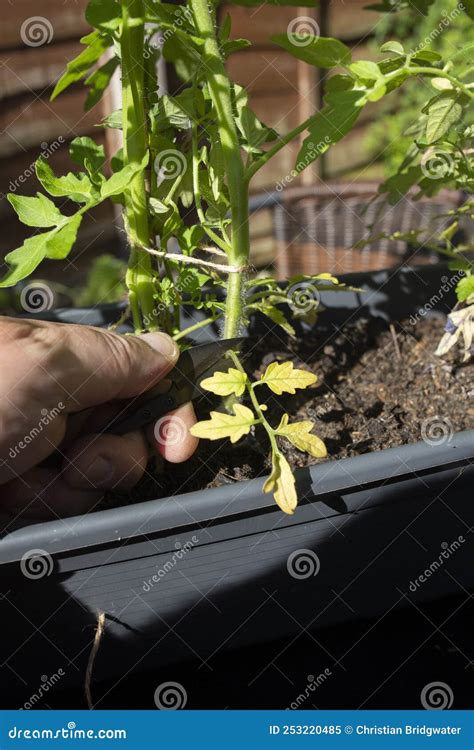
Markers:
317,228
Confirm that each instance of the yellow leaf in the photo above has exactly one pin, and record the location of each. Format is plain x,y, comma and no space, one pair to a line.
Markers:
282,483
299,434
222,425
225,383
284,378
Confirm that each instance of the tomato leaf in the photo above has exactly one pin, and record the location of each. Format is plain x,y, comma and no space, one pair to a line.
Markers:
284,378
225,383
222,425
282,483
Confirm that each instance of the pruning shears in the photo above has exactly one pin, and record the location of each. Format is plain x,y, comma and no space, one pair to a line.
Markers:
192,367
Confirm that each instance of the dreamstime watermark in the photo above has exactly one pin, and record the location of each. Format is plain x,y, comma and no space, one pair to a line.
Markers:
303,297
170,696
303,563
170,430
436,430
181,16
444,23
170,164
180,552
437,163
36,297
446,286
36,31
36,564
47,683
447,550
302,30
312,685
436,696
47,149
312,152
46,418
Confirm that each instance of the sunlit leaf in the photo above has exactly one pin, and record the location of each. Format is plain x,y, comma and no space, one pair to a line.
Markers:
225,383
36,212
282,483
285,378
222,425
299,434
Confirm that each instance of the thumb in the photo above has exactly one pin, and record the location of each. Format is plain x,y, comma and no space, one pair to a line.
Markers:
93,366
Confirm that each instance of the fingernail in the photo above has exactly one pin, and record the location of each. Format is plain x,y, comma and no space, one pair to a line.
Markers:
163,344
100,472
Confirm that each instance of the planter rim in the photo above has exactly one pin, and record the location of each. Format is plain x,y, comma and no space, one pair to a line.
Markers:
220,504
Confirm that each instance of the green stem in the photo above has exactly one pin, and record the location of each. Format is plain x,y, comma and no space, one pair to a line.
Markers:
261,417
139,275
283,141
196,327
221,94
441,74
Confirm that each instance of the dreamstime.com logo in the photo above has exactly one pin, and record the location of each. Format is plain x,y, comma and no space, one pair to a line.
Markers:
303,563
436,696
170,164
36,564
47,149
36,297
303,297
302,30
170,696
70,732
436,430
36,31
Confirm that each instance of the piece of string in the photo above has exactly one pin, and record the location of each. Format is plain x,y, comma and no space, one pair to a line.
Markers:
196,261
100,629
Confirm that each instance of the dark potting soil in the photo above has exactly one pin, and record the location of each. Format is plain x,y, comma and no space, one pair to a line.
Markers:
377,387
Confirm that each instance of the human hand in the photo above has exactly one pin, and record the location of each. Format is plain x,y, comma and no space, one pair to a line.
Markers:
56,382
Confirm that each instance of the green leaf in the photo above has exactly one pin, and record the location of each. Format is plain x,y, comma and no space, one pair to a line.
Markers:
78,187
299,434
36,212
98,82
114,120
119,181
468,7
465,288
284,378
443,113
275,314
104,14
394,47
225,383
427,55
80,66
335,120
323,52
222,425
282,483
366,70
254,131
157,207
88,154
54,244
61,241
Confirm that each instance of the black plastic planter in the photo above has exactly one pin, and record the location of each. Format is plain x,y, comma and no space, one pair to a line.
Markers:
186,577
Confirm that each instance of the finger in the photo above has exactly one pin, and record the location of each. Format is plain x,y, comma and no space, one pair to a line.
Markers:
106,461
44,494
170,435
81,365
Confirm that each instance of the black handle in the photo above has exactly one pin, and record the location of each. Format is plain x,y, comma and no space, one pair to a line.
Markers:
142,415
